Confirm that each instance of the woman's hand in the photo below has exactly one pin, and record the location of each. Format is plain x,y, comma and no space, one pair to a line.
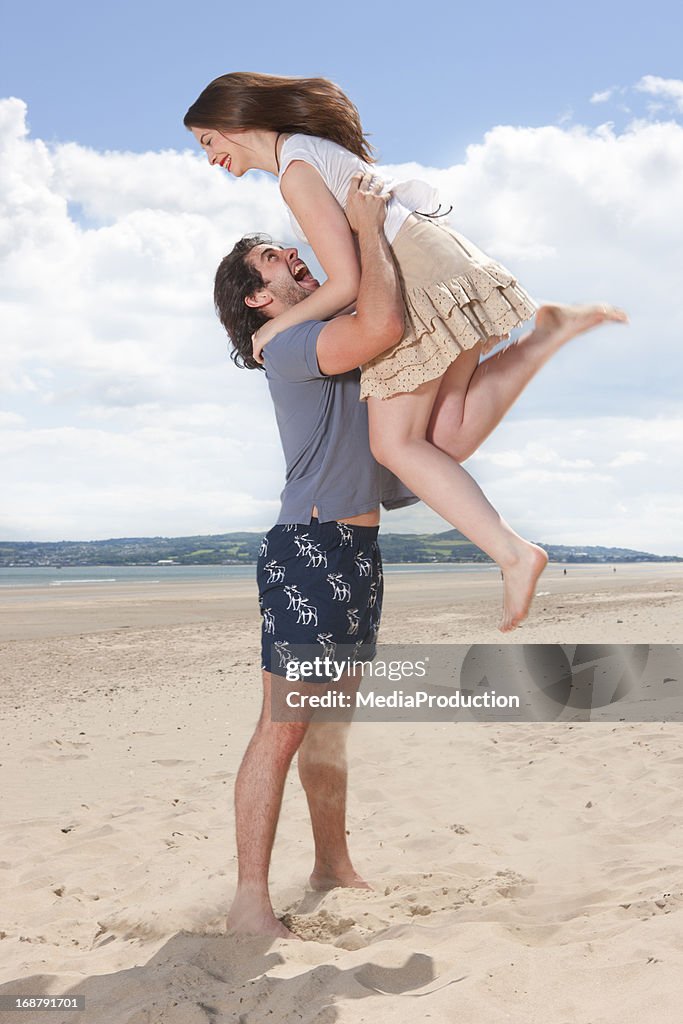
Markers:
260,338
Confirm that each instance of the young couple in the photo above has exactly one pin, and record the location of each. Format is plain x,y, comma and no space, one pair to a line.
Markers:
428,304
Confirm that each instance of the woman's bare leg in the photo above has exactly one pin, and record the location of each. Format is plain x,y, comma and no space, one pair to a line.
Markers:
472,399
398,429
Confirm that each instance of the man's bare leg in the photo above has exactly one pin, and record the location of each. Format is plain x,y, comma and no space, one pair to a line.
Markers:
474,396
323,773
258,797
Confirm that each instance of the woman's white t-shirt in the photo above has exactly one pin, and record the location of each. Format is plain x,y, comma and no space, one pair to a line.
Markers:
337,166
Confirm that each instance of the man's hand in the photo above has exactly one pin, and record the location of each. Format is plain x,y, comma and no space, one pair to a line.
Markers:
365,207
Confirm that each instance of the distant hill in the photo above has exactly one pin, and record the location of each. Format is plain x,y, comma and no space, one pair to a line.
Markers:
242,549
451,546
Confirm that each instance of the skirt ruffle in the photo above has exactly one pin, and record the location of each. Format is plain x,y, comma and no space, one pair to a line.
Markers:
446,317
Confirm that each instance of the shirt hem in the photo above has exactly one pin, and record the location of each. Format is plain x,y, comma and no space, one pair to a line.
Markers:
324,516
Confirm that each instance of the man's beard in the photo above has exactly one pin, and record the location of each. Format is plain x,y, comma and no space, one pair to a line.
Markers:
288,292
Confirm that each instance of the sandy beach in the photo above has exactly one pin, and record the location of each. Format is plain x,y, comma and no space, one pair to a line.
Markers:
525,873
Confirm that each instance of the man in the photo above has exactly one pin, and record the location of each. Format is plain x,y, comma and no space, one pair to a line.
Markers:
319,572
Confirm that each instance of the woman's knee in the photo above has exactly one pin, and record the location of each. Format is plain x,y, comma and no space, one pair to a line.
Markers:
452,444
383,450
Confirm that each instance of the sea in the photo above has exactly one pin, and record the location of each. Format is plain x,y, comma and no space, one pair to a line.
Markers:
42,577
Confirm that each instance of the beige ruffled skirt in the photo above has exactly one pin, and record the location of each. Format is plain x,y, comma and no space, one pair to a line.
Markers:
455,298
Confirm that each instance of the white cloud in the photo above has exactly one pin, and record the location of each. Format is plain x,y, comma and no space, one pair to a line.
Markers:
597,488
602,97
667,88
585,482
125,416
628,459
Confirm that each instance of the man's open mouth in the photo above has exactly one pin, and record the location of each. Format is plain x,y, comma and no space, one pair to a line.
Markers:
300,271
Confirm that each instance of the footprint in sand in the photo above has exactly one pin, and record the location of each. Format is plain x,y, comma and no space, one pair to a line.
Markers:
170,762
325,927
666,903
402,903
58,750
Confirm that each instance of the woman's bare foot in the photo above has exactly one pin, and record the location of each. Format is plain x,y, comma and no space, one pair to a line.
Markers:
247,918
566,322
519,584
322,881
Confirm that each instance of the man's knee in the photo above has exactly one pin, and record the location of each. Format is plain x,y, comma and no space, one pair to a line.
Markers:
326,741
284,738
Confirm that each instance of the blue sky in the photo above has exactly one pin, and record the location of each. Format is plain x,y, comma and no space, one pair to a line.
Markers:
428,79
555,132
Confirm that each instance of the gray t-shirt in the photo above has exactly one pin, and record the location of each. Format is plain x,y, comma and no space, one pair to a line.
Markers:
324,433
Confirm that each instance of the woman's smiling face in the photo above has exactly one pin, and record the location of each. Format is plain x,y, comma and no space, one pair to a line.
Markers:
224,150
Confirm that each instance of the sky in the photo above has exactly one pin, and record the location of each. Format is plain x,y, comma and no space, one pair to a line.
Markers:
556,136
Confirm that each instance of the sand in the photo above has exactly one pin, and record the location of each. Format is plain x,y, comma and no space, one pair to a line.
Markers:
527,873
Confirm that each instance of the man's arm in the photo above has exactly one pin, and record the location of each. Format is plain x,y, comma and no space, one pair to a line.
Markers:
348,341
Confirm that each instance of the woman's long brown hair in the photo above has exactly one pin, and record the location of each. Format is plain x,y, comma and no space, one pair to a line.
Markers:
311,106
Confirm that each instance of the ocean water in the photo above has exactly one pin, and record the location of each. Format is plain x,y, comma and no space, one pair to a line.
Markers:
102,575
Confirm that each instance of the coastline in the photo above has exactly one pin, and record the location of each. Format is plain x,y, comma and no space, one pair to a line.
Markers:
636,604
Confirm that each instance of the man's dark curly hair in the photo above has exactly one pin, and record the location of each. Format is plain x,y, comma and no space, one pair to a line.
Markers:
235,280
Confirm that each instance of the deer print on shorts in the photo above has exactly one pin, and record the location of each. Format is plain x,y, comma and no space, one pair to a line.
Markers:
307,548
307,613
276,573
363,564
341,590
284,654
294,597
353,620
345,534
316,558
328,644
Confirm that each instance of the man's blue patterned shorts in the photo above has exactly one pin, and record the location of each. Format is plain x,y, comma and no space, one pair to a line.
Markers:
320,587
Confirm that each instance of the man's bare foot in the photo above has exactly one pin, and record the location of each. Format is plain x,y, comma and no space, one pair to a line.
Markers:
322,881
566,322
245,919
519,584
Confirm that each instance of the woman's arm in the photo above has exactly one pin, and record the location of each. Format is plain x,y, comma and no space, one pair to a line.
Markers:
349,341
324,223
